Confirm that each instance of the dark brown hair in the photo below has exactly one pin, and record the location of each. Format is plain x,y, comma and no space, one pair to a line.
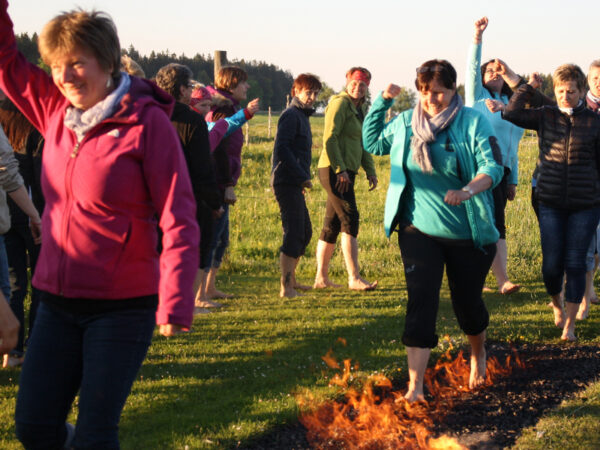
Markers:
505,90
172,77
16,127
439,70
306,81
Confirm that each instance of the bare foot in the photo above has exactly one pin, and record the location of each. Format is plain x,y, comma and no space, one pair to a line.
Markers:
414,395
198,310
207,304
559,316
217,294
288,293
302,287
509,288
583,311
361,284
478,367
322,283
568,335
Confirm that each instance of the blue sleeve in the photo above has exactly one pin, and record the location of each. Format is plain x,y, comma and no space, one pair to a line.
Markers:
236,121
473,81
377,135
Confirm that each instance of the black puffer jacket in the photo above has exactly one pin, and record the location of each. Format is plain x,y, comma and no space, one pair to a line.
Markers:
568,172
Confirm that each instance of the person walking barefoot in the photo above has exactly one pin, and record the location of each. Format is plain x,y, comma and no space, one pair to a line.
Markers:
340,160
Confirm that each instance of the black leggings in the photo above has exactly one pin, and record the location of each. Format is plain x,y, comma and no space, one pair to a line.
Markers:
500,195
424,258
297,229
341,213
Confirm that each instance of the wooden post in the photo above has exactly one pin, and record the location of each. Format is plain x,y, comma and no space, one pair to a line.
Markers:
287,101
269,126
220,61
247,134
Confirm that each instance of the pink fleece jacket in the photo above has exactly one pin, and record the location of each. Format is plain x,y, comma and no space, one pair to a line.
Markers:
99,235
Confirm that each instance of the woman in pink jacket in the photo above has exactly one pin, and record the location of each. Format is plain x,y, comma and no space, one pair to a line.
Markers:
112,164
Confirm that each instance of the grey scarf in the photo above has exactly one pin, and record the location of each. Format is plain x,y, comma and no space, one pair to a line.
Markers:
426,129
83,121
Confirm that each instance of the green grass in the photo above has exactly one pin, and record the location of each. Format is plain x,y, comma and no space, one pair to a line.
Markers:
235,376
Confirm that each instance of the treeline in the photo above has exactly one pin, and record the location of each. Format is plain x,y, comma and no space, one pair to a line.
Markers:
267,81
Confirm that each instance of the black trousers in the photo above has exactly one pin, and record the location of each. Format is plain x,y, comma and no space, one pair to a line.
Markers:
500,195
424,259
341,213
297,229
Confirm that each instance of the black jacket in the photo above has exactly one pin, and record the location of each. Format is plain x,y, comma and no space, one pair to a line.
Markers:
292,152
568,172
193,135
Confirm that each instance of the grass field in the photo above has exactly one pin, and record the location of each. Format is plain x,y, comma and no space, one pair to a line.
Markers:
235,376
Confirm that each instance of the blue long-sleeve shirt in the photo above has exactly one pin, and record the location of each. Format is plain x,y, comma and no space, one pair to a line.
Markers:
476,94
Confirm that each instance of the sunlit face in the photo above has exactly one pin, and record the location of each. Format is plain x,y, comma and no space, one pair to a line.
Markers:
594,81
567,94
436,99
240,91
203,106
356,89
80,79
307,96
492,78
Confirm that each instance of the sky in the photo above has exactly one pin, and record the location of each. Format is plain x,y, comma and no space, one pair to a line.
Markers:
389,37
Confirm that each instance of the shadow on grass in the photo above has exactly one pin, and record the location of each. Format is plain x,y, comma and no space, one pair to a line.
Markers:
256,360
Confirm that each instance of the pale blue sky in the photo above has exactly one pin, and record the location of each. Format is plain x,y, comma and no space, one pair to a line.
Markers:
389,37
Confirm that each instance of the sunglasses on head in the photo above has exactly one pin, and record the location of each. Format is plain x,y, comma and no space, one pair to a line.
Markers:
434,69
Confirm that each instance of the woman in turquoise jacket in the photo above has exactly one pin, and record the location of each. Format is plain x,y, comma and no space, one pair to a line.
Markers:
442,167
488,88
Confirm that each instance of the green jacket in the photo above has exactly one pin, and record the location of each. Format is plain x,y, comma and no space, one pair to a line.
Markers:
470,134
342,137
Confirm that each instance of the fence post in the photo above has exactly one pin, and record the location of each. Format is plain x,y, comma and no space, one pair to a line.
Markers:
269,126
247,133
220,60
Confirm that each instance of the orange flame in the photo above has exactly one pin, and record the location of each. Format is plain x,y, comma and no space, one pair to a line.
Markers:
378,417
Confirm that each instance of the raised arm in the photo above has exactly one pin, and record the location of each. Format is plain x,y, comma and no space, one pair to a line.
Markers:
473,81
28,86
376,134
515,112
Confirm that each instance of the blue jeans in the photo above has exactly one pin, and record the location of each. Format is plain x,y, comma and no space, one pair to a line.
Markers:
220,239
4,283
593,249
566,237
98,355
20,249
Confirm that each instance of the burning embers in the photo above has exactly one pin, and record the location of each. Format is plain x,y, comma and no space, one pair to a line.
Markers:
378,417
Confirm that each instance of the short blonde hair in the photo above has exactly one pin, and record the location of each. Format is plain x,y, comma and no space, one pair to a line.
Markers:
229,77
92,31
569,72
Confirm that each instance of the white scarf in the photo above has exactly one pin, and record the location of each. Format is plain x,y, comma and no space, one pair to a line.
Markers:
81,121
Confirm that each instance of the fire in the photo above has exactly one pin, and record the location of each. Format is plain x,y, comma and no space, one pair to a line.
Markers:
377,417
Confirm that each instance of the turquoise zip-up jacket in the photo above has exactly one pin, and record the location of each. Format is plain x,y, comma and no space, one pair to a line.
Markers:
508,134
473,138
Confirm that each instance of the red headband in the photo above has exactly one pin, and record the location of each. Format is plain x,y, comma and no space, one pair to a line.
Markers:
358,75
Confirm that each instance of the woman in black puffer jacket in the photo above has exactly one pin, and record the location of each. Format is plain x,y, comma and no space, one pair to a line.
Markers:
568,184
